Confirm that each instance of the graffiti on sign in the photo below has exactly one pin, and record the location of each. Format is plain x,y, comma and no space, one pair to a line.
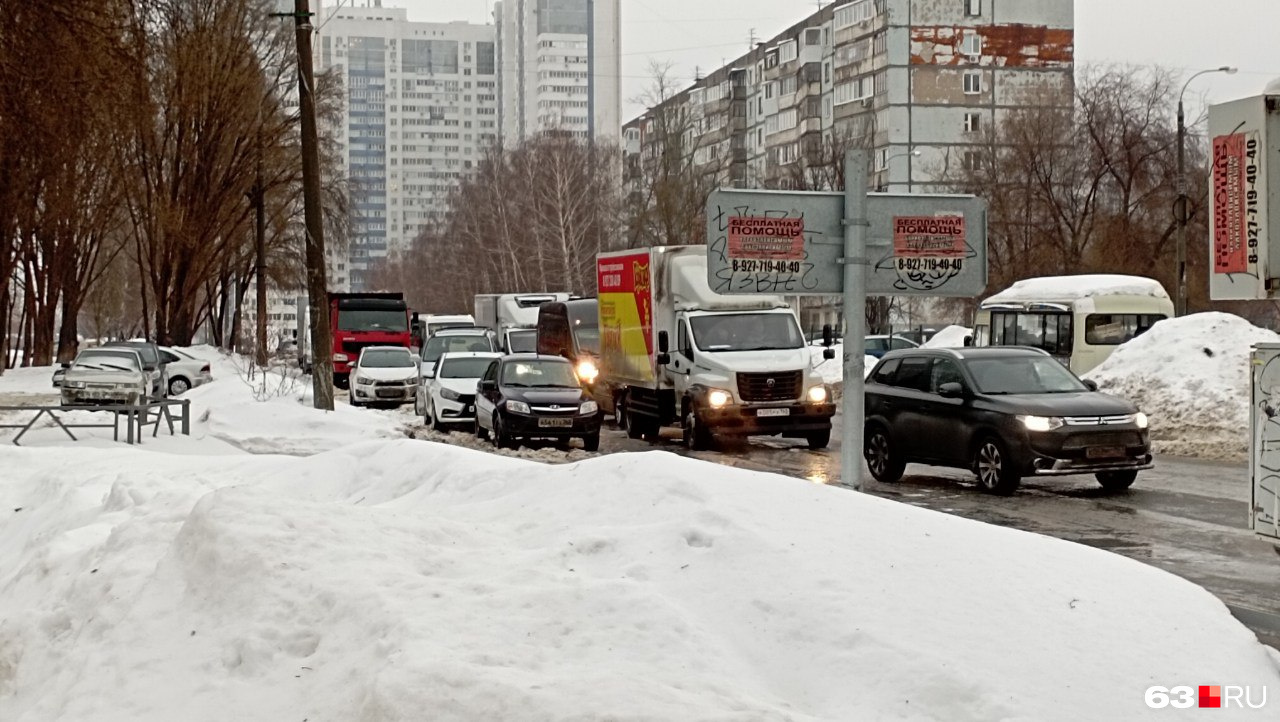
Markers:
760,251
1235,203
928,251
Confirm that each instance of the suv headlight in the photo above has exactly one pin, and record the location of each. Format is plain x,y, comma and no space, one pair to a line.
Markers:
1041,423
589,407
519,407
1141,420
818,394
450,394
719,398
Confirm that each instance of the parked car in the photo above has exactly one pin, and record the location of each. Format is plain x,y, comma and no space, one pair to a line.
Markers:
880,345
446,393
152,363
470,339
384,374
1002,412
533,396
102,376
185,371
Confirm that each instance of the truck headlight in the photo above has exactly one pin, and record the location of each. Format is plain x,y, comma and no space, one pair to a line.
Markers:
818,394
341,358
519,407
589,407
1041,423
718,398
449,394
587,371
1141,420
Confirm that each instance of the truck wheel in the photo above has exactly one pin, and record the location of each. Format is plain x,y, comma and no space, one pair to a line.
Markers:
620,412
591,442
635,425
696,435
818,439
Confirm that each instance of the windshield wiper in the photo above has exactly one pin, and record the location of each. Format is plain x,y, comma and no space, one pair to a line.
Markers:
88,366
118,368
552,386
515,384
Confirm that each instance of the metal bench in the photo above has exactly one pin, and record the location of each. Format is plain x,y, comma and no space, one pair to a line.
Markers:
136,418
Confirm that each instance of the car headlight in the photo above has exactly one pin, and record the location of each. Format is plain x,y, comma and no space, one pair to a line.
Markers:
818,394
341,358
73,384
718,398
1141,420
126,386
589,407
587,371
363,381
1041,423
450,394
519,407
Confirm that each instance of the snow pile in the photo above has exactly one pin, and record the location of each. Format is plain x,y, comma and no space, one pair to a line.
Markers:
1070,288
1191,376
949,337
409,580
832,371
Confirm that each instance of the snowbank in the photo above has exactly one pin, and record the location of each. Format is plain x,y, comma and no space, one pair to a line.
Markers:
1191,376
409,580
949,337
832,371
1070,288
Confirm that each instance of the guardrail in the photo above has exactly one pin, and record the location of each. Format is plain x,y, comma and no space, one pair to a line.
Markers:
136,418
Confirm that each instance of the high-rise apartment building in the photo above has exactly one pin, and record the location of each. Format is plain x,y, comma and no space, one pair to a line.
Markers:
919,82
421,107
560,67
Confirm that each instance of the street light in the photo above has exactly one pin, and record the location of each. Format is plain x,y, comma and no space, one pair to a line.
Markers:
882,187
1180,308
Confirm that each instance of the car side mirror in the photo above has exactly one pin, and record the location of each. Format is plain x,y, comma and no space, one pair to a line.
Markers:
828,337
428,373
488,385
664,342
951,390
828,353
1090,384
65,364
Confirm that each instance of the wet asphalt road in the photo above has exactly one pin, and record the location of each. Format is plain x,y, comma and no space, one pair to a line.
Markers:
1185,516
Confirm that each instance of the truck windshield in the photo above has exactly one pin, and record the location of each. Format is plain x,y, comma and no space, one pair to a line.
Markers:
588,339
387,359
372,320
522,341
437,325
746,332
437,346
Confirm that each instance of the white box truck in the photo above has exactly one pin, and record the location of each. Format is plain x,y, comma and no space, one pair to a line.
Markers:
513,317
739,365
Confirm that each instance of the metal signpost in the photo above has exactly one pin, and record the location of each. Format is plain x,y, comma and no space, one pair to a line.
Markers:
806,243
1244,222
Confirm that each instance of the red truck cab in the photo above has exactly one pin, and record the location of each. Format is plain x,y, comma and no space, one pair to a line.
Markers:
360,320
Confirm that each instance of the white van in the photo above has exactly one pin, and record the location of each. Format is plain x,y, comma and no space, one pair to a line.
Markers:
1080,320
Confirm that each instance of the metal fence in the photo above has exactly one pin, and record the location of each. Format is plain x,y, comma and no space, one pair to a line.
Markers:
135,417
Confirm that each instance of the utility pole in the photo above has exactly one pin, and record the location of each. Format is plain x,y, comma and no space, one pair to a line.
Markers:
260,243
856,161
317,283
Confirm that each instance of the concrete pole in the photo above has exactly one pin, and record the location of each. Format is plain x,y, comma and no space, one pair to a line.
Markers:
855,313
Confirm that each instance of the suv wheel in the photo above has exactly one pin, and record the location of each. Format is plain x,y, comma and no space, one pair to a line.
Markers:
994,467
885,466
1117,480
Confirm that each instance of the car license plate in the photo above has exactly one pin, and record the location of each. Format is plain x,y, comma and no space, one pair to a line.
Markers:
555,423
773,412
1104,452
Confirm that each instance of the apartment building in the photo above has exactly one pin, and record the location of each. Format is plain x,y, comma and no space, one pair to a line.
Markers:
919,82
421,108
560,68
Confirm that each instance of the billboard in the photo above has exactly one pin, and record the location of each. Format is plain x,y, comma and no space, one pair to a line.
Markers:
1244,209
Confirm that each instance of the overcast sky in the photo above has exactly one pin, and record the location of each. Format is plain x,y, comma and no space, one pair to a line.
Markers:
1181,34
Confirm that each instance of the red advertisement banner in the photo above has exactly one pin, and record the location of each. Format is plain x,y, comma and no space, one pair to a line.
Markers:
766,239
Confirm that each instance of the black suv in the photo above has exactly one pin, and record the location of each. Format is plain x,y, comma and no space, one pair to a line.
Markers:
1002,412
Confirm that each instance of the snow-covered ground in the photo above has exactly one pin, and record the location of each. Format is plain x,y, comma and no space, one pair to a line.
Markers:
389,579
1191,376
949,337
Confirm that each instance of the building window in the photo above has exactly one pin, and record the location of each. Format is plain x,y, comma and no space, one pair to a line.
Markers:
972,82
882,159
972,7
972,44
972,160
971,122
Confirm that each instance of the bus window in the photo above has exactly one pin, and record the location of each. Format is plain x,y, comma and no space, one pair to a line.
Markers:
1113,329
1049,331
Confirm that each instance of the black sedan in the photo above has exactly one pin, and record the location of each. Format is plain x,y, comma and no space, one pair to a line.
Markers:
532,396
1002,412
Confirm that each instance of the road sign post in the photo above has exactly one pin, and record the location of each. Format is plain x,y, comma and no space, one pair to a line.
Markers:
850,244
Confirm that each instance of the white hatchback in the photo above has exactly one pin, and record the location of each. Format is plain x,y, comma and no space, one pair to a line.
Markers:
446,393
384,375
